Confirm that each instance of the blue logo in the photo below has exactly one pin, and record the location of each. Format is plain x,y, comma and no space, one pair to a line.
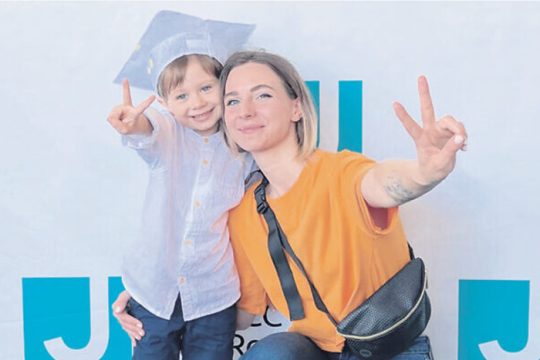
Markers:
350,112
494,321
71,319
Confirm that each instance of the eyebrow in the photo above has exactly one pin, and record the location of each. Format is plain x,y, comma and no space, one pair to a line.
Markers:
253,89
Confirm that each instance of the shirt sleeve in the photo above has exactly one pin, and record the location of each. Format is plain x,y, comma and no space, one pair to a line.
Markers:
354,167
151,148
253,296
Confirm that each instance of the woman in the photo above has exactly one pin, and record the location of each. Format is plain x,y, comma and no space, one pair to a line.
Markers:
338,210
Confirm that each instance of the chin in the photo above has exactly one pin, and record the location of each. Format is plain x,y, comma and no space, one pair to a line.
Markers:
208,127
250,146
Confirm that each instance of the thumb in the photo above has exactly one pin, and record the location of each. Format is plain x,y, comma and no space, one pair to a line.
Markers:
121,302
118,307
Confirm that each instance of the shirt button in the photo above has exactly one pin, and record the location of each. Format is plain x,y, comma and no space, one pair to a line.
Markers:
188,242
181,280
206,140
205,162
196,203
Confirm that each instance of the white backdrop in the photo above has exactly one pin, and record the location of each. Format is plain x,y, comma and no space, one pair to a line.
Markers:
71,195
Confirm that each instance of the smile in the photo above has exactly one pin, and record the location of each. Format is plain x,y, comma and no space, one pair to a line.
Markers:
250,129
203,116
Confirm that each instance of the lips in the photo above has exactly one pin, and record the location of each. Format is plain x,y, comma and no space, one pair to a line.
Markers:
250,129
203,116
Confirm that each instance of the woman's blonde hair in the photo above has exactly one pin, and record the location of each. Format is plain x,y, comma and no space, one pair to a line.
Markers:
306,127
174,74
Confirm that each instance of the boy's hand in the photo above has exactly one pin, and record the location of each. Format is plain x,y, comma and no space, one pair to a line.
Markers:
131,325
129,120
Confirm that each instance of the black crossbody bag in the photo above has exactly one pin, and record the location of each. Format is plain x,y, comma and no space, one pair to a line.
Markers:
385,324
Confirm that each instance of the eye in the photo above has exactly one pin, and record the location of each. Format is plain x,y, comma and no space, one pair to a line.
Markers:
264,96
206,88
182,97
231,102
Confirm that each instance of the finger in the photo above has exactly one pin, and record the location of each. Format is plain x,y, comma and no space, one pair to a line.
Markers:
120,304
130,325
134,333
426,105
118,126
125,319
408,122
126,93
452,146
452,125
145,104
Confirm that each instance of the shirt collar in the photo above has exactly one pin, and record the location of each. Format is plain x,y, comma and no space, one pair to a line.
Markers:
212,140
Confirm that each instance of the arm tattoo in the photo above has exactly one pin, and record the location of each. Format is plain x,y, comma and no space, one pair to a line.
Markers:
397,191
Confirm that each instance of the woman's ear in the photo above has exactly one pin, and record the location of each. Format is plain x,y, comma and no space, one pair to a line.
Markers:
297,111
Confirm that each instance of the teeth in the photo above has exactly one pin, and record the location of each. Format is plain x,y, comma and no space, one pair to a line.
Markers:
197,117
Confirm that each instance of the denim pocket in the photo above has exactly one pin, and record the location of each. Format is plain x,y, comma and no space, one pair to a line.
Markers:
132,305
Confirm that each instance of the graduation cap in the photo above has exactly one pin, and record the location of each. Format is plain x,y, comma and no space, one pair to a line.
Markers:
171,35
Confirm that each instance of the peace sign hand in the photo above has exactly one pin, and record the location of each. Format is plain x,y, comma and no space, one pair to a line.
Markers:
437,141
127,119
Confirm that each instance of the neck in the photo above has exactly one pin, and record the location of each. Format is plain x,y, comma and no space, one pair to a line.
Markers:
282,167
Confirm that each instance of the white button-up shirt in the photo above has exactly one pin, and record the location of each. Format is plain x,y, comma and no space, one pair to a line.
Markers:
184,239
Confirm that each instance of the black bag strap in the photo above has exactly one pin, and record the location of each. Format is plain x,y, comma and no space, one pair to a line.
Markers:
277,241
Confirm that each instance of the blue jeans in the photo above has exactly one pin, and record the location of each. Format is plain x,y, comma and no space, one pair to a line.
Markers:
293,346
207,338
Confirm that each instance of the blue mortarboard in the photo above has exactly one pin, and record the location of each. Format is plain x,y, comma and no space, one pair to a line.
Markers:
171,35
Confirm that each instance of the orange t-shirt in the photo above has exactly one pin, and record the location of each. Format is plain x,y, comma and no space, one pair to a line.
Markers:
327,224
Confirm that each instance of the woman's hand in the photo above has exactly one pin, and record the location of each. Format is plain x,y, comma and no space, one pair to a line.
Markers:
395,182
131,325
437,141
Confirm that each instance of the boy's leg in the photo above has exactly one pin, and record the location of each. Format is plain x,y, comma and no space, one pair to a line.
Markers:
162,337
210,337
287,346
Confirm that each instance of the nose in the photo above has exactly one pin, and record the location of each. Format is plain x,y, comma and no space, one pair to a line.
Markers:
197,101
247,110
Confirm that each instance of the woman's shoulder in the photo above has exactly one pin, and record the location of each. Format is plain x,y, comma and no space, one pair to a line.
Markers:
337,160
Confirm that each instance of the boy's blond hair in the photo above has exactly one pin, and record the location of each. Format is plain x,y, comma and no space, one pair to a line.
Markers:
174,74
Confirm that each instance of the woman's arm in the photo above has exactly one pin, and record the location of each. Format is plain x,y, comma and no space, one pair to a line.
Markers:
395,182
243,319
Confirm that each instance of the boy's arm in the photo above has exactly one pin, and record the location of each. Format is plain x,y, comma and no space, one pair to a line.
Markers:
130,120
143,128
395,182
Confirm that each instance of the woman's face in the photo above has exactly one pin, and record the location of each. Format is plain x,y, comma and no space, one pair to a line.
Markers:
259,114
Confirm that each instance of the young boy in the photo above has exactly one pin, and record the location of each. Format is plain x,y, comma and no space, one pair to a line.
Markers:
180,272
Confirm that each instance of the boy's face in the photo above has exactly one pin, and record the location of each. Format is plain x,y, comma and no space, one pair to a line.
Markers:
196,102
